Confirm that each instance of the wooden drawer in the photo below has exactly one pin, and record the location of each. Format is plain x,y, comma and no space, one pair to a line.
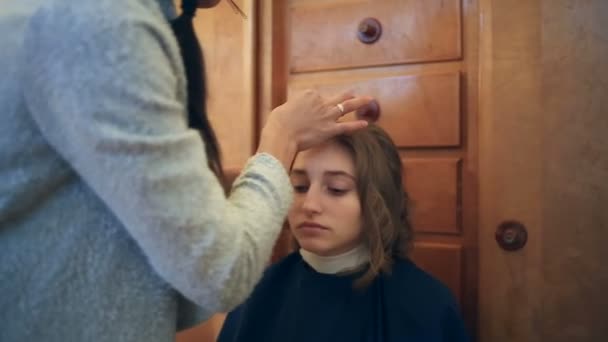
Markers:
443,261
324,34
417,110
433,187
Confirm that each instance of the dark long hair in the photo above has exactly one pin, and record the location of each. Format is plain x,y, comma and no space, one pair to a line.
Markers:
194,65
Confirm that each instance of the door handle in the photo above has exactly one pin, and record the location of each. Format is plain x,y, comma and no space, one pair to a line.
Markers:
511,235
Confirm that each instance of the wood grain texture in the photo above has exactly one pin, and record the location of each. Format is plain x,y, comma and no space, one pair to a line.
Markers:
575,170
544,161
443,261
228,43
433,186
324,34
272,65
416,110
510,169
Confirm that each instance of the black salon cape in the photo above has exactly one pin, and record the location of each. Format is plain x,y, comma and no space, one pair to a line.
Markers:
294,303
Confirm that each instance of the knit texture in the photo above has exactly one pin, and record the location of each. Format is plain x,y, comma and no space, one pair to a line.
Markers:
111,224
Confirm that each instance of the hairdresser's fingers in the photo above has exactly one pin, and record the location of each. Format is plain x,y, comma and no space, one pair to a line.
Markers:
347,127
339,98
349,105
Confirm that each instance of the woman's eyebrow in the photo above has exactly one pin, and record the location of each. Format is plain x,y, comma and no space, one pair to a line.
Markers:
301,172
340,173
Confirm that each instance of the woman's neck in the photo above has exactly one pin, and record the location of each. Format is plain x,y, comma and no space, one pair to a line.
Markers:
344,262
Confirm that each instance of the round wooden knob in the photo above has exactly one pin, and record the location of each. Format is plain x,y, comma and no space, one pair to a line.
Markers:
511,235
371,112
369,30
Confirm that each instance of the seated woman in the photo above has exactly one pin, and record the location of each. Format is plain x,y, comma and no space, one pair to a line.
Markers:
350,279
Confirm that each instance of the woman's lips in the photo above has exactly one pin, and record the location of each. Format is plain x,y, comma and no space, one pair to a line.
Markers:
311,227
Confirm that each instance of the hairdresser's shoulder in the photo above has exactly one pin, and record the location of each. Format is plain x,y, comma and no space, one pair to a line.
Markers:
101,17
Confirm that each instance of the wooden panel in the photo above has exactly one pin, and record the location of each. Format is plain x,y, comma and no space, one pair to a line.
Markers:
228,45
443,261
510,293
272,68
575,163
469,169
433,186
545,165
324,33
416,110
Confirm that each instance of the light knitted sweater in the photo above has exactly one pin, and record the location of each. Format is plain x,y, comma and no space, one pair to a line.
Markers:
111,224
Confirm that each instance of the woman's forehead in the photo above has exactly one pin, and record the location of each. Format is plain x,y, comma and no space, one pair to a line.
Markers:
326,157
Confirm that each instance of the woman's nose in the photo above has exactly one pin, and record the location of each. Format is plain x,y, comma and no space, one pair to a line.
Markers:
312,203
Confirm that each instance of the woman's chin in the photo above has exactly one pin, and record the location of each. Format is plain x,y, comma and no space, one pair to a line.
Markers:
314,246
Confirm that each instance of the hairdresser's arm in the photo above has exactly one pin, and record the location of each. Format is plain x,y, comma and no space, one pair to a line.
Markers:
104,92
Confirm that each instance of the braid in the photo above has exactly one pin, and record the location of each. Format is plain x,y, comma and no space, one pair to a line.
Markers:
192,58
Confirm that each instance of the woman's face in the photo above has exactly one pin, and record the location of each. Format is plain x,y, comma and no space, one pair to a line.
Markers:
207,3
326,215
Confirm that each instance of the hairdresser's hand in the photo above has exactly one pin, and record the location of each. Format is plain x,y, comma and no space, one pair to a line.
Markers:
310,119
306,120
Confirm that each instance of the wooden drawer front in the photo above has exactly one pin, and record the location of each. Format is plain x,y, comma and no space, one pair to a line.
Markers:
443,261
417,111
433,187
324,33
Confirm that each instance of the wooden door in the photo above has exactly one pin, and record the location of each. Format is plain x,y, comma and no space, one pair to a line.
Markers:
544,162
422,71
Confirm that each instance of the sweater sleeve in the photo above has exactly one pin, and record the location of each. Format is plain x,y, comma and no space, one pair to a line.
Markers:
103,87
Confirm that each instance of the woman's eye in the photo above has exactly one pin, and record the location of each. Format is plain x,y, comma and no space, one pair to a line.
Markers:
300,188
337,191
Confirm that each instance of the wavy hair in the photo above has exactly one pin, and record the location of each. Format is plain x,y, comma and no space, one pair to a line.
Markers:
387,229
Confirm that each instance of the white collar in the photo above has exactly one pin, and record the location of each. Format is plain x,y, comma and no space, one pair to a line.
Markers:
337,263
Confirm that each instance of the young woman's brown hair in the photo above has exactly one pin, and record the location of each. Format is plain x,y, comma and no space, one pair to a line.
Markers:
384,202
387,230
